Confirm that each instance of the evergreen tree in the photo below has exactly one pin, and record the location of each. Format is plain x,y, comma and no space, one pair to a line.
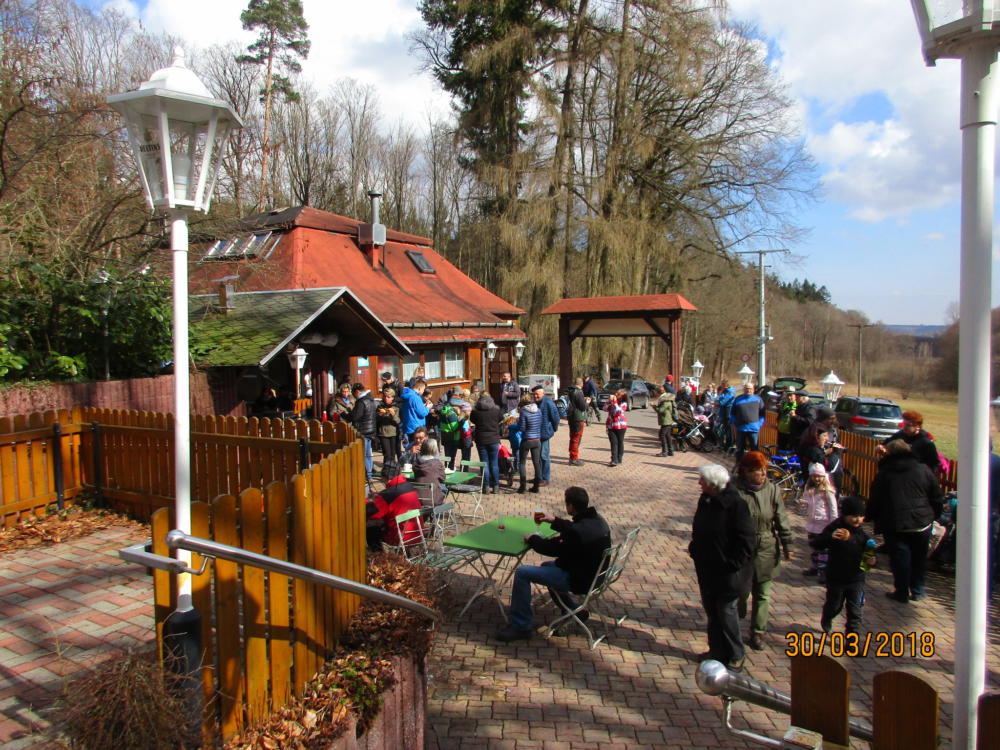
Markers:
282,38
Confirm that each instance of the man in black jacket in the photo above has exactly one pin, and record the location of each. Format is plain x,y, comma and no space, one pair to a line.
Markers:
578,549
363,420
723,541
510,393
577,418
905,500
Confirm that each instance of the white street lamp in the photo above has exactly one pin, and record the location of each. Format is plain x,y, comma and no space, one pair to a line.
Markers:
969,30
519,349
697,369
831,387
178,133
746,373
297,359
491,351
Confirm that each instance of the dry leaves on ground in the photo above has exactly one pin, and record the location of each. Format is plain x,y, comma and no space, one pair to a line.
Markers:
59,527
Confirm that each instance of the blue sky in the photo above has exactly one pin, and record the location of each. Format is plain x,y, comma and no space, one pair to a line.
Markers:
882,127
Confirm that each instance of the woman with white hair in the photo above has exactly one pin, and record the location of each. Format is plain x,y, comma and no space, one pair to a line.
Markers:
722,546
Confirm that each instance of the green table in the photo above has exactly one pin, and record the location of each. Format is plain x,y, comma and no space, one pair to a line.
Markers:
507,545
455,477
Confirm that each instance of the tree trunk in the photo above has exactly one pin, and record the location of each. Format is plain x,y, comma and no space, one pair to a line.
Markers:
267,121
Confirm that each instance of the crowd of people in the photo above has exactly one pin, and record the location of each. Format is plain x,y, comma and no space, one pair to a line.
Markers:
740,532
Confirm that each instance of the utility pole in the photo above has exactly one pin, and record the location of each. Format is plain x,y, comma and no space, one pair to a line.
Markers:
762,333
860,327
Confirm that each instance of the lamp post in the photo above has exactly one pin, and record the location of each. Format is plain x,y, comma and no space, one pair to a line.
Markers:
969,30
746,373
519,350
831,387
297,359
762,334
178,133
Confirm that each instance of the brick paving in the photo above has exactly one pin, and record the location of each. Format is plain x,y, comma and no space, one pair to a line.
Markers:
63,608
637,689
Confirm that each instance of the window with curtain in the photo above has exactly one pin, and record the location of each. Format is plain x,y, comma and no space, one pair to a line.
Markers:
410,364
454,363
432,364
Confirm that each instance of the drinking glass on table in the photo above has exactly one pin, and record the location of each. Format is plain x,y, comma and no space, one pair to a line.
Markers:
539,515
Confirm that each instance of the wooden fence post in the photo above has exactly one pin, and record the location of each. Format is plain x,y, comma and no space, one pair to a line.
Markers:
820,688
904,712
988,730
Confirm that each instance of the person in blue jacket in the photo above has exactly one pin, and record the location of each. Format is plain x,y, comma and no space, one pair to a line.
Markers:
747,416
412,410
550,424
725,404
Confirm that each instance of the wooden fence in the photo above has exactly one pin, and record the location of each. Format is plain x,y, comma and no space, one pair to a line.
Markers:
905,708
859,456
127,457
265,636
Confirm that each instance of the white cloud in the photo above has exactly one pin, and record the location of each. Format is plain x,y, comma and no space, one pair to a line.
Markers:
361,40
832,56
933,237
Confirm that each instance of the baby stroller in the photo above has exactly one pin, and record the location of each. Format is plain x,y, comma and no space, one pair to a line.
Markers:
692,428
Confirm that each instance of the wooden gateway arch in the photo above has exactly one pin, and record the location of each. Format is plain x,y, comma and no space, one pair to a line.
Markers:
637,315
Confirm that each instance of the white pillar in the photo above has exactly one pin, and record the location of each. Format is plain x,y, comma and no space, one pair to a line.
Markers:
978,123
182,399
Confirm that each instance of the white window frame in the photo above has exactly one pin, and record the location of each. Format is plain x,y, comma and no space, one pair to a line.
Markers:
454,363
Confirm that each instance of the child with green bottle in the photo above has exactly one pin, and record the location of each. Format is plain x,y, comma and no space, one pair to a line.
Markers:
850,557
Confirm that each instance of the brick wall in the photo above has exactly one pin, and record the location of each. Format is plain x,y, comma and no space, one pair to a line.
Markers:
211,393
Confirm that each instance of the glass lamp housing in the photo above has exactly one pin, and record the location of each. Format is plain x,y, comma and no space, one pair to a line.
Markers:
831,387
946,26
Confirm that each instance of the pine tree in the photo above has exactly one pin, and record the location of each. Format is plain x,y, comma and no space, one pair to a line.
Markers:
282,29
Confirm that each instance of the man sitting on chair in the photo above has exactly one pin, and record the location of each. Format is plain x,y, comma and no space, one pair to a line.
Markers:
578,549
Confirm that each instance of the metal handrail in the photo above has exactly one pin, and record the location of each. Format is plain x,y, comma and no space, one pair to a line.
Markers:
177,539
714,679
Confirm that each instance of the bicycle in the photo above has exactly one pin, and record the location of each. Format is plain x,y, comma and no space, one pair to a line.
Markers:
783,471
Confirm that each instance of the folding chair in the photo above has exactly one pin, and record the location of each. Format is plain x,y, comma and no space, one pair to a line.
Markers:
445,525
587,602
625,552
428,492
412,543
473,490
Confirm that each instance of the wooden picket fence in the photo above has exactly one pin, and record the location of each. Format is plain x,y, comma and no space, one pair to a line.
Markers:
905,708
126,458
859,456
264,635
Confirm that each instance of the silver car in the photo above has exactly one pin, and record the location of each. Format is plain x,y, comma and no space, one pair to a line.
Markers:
874,417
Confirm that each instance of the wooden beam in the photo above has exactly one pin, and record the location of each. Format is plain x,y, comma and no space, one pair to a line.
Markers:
565,353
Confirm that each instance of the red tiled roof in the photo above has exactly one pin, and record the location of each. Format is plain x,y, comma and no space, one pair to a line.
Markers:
634,303
320,249
429,335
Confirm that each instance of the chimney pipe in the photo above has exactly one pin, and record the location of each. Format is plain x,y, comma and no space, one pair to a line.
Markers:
374,195
371,237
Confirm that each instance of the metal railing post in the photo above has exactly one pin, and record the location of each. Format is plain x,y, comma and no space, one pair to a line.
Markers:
98,451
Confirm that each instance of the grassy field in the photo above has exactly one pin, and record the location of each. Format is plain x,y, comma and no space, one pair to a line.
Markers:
940,410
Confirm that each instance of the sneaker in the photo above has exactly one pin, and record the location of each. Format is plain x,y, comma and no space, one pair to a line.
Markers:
510,633
916,597
736,665
661,454
544,483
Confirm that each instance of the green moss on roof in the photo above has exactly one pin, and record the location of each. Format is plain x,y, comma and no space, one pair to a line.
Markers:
258,322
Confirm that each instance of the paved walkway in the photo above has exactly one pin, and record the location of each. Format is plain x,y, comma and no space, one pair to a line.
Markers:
638,689
63,608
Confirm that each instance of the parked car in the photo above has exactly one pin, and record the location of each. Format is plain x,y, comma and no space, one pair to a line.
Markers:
638,393
771,393
873,417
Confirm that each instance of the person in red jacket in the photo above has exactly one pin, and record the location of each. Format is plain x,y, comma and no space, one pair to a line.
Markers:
398,497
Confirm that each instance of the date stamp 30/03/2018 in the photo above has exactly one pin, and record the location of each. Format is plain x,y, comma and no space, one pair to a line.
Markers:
879,644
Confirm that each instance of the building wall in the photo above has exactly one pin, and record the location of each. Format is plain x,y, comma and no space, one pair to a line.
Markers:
213,393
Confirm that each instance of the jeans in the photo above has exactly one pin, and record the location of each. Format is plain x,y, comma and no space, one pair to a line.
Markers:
532,447
908,560
390,454
575,435
490,455
836,595
617,440
745,441
547,574
546,461
724,641
368,455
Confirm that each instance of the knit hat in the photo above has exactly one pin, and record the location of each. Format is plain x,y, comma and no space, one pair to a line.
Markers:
670,378
817,470
824,412
852,506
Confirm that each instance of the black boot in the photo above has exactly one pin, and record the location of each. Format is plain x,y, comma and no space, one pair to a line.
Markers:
534,486
521,489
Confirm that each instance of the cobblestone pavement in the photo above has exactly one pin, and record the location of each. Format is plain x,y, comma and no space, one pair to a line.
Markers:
64,608
637,689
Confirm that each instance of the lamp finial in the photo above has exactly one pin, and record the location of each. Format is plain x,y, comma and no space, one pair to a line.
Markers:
178,57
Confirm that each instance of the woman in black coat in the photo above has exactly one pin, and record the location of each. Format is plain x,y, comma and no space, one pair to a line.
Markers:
723,539
485,420
905,500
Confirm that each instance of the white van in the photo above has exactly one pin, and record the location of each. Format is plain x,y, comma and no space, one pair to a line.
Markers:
549,382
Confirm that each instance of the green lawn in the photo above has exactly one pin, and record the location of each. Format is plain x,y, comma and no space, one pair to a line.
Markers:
940,410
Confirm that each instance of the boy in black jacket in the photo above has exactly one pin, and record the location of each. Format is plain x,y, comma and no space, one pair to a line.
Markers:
845,579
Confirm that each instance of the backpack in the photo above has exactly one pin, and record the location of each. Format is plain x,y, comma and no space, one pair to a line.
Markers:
943,464
449,424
